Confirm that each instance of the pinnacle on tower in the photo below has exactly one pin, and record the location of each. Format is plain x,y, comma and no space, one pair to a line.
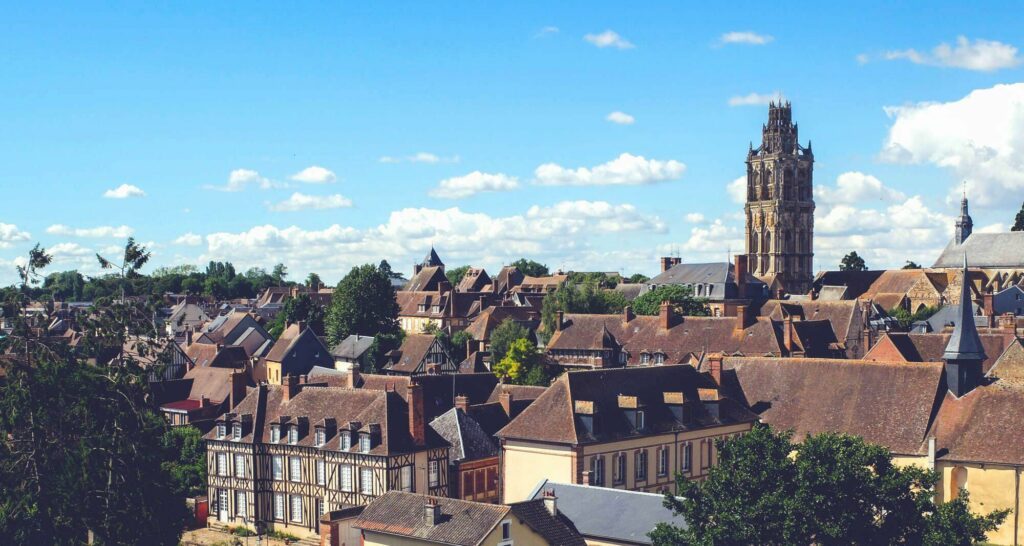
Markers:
964,352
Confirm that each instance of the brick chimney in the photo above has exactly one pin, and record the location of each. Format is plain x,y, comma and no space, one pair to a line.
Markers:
237,388
431,512
668,262
461,402
551,502
627,313
417,424
352,381
188,336
505,399
560,318
666,316
715,367
291,386
990,308
469,347
742,318
740,272
787,333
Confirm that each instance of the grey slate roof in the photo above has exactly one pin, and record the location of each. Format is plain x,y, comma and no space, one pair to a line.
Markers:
468,440
610,514
950,314
965,344
352,347
985,250
432,259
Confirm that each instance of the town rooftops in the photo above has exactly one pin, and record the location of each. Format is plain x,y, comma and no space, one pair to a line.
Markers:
988,250
352,347
982,425
467,438
461,523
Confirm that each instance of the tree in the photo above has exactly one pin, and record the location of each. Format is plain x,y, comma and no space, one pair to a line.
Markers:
458,345
570,298
64,286
363,303
830,489
530,268
852,262
279,274
135,256
313,281
29,273
637,278
905,318
1018,222
299,308
185,460
504,335
522,364
455,274
911,265
678,296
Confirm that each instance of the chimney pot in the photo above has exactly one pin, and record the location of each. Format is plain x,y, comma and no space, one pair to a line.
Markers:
551,502
431,512
461,402
628,313
715,365
505,399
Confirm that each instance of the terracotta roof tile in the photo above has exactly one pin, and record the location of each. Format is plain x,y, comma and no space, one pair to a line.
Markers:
462,523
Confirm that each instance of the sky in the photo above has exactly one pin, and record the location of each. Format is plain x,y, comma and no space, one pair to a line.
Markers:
585,135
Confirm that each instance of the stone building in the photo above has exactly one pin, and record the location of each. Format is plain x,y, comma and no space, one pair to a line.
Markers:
780,205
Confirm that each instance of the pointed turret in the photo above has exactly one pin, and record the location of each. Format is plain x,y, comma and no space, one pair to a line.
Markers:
964,352
964,224
432,259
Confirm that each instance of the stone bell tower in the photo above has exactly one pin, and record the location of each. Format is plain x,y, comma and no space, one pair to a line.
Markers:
780,205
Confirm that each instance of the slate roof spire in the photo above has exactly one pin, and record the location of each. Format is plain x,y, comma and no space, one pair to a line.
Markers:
432,259
964,352
964,224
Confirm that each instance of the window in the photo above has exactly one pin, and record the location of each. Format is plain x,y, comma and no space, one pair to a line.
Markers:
421,307
662,461
687,457
277,462
293,434
239,465
240,504
405,479
321,507
645,359
321,473
345,477
222,464
640,465
222,430
364,443
346,441
297,508
321,437
640,419
433,474
366,481
236,432
506,530
435,309
279,506
619,470
294,469
659,359
275,437
710,451
597,470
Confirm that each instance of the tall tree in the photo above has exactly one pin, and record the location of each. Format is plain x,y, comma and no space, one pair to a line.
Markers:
504,335
1018,222
363,303
299,308
530,267
279,274
678,296
455,274
313,281
852,262
522,364
571,298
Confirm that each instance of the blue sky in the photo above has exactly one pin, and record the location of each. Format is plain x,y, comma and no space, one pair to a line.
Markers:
388,100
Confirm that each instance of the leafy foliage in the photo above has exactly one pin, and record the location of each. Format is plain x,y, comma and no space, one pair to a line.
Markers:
852,262
530,268
522,364
905,318
911,265
571,298
504,335
299,308
185,460
456,274
1018,222
458,345
363,303
637,278
678,296
313,281
602,280
831,489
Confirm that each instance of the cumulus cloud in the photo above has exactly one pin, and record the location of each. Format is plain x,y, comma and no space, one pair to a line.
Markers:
473,183
747,38
609,38
314,175
978,138
419,157
118,232
300,201
620,118
189,239
124,191
737,190
240,179
856,187
981,55
10,234
625,170
755,99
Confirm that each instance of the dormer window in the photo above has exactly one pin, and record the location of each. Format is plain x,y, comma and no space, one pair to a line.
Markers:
236,432
435,309
364,443
645,359
659,359
293,434
320,436
275,434
640,420
346,441
422,308
222,430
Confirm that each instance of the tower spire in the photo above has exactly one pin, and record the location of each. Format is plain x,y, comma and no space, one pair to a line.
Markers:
964,223
964,352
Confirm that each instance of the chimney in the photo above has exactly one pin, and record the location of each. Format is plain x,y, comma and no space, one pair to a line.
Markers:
505,399
417,426
302,325
461,402
291,386
294,291
780,294
469,347
560,317
715,367
551,502
865,341
352,381
666,316
990,309
742,318
740,272
666,263
431,512
237,388
188,336
586,478
627,313
787,333
204,402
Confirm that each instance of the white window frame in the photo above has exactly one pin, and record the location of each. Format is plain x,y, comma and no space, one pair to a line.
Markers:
433,473
293,434
597,470
687,457
294,469
236,431
295,514
321,472
406,479
345,478
275,434
366,481
277,467
320,437
279,506
222,430
346,441
222,464
640,420
239,465
506,530
640,465
364,443
662,461
241,503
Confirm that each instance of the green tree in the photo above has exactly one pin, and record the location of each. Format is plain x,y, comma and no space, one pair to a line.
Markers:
313,281
830,489
678,296
637,278
905,318
458,345
363,303
530,268
852,262
185,460
522,364
455,274
911,265
571,298
1018,222
504,335
299,308
65,286
279,274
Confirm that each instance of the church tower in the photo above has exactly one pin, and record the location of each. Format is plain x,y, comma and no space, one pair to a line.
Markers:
964,224
780,205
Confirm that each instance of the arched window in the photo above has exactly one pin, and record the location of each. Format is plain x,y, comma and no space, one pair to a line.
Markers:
957,481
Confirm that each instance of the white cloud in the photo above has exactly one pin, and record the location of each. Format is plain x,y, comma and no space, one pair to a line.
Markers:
982,55
627,169
473,183
239,179
61,251
419,157
695,218
620,118
979,138
9,234
118,232
755,99
300,201
189,239
609,38
737,190
124,191
314,175
748,38
856,187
